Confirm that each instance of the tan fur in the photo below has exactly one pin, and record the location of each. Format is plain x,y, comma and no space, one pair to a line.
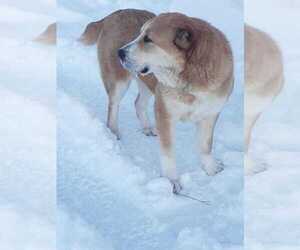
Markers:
263,80
193,63
118,29
91,33
48,36
111,33
263,64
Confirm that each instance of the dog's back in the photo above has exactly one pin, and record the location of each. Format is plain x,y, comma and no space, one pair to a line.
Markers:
110,34
91,33
263,64
117,30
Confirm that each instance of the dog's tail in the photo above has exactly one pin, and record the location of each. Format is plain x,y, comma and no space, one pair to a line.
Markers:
91,33
48,36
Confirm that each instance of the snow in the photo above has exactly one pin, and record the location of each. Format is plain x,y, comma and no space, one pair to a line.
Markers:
24,230
74,233
109,194
27,132
196,239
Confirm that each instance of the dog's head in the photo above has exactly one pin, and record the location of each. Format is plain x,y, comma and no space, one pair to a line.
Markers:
163,44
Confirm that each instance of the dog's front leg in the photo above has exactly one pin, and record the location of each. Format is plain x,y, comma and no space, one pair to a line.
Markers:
165,128
205,137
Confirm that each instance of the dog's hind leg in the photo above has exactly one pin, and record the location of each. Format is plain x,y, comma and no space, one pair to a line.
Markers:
115,95
141,105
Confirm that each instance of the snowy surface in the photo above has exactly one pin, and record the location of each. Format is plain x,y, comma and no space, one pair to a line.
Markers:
272,205
27,132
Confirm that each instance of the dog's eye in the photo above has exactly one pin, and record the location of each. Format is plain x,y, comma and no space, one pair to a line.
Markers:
147,39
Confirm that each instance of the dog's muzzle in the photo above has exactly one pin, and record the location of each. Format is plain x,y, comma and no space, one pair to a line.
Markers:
122,54
144,71
129,65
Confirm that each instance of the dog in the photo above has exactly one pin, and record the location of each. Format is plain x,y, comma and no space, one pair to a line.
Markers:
264,80
48,36
193,63
111,33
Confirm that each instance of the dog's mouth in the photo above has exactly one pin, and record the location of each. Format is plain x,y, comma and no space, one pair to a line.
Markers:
132,67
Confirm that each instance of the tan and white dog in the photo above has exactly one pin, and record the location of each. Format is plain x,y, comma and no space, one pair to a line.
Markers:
263,82
193,63
111,33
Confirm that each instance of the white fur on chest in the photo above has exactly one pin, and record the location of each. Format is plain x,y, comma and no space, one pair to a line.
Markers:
204,105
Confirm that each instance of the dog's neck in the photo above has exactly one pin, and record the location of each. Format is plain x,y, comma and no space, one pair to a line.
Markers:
171,83
169,77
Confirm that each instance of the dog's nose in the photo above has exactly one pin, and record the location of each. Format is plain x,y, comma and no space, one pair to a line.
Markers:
121,54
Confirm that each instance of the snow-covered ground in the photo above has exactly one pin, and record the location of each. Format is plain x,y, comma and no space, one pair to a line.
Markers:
109,194
27,131
272,204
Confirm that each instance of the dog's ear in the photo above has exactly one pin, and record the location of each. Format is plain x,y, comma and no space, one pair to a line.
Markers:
183,38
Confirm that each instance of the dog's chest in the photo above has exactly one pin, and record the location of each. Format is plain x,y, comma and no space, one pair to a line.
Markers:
194,107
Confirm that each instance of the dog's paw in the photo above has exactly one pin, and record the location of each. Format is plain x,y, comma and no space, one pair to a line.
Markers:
118,137
176,186
213,170
115,132
211,166
251,167
149,131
